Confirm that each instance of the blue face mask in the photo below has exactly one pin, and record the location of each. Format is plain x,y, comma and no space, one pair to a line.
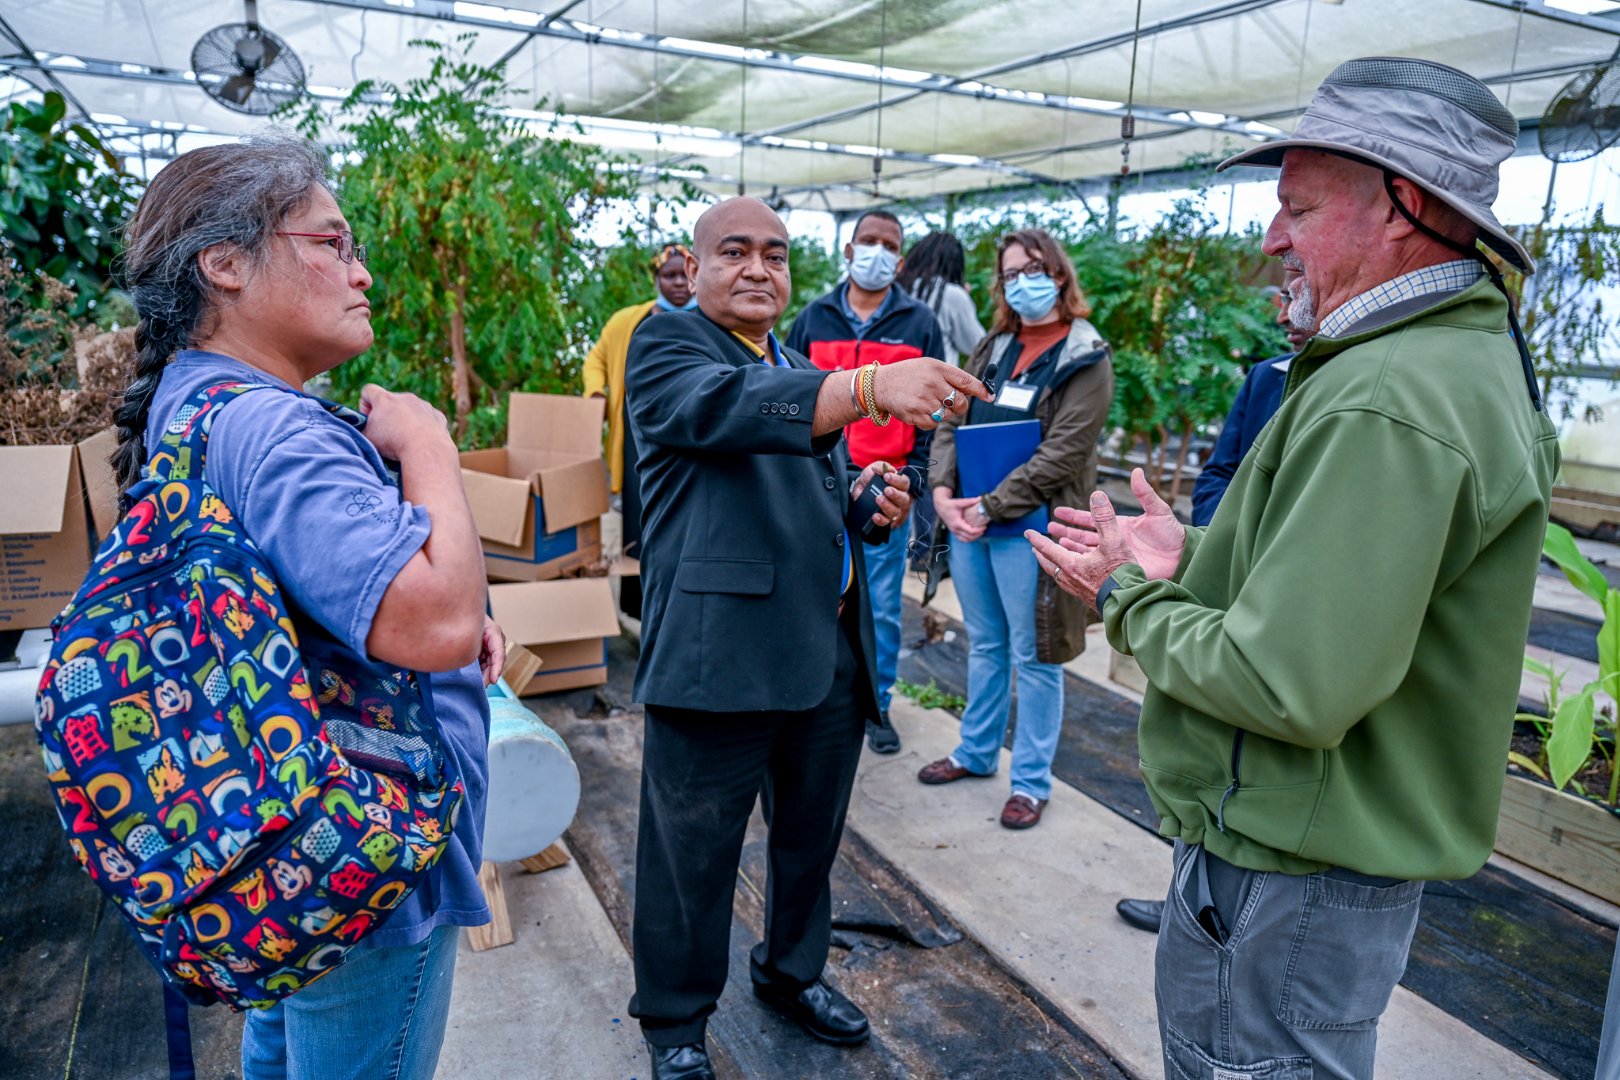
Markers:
664,304
873,267
1032,296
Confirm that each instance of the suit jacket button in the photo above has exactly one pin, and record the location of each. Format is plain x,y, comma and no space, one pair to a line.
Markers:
776,406
829,483
793,409
838,541
764,407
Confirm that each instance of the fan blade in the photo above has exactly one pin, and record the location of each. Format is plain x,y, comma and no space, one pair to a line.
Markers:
271,49
237,89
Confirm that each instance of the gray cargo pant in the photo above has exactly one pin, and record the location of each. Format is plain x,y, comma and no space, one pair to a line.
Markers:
1276,976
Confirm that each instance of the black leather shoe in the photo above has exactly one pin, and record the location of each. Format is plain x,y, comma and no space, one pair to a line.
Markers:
689,1062
882,739
1142,914
822,1011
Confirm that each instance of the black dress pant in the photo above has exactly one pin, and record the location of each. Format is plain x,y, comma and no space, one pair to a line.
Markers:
700,774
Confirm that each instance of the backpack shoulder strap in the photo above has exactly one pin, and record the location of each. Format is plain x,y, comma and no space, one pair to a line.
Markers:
182,451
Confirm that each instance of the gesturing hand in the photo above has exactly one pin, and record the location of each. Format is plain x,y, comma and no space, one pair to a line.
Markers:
922,391
1153,540
1092,544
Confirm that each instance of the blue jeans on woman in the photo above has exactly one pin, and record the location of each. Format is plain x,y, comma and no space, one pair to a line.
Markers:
381,1016
995,581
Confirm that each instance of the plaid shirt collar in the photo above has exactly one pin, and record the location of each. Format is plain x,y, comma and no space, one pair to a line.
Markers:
1442,277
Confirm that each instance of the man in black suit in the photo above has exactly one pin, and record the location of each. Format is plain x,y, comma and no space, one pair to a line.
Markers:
757,648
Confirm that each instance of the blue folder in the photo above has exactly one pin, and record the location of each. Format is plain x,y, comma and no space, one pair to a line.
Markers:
986,453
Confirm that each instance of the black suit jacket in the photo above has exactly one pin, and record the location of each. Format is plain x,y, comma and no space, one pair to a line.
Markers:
743,525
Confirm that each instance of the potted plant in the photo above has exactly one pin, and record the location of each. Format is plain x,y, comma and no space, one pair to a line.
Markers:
1573,834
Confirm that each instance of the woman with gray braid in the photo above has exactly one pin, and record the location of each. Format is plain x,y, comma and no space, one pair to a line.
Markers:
243,270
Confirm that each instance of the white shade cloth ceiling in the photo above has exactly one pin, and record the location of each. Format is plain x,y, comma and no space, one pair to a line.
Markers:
1204,86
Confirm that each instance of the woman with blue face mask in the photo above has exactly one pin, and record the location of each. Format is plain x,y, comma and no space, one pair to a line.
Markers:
1052,369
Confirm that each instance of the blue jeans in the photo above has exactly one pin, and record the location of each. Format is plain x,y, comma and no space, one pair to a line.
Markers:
995,581
380,1016
885,574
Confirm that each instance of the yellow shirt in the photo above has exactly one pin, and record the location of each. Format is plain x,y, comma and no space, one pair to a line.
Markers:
604,374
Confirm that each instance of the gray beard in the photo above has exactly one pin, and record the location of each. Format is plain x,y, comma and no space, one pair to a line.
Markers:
1302,304
1302,310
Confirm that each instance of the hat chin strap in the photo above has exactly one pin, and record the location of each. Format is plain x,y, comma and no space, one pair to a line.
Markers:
1473,252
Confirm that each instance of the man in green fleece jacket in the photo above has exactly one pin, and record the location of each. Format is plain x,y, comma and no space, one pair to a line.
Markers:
1334,661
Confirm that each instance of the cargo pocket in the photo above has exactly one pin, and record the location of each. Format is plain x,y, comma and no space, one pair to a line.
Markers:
1183,1060
1348,953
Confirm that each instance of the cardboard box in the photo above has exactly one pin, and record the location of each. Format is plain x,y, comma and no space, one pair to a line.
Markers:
565,623
537,500
100,482
44,533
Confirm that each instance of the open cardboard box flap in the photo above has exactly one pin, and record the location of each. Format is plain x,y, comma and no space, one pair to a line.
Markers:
575,491
499,503
35,505
567,609
100,482
555,422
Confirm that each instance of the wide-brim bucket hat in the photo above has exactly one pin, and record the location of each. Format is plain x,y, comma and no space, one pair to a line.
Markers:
1439,127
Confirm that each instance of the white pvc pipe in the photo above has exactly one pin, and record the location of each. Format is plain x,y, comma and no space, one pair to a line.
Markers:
19,681
17,686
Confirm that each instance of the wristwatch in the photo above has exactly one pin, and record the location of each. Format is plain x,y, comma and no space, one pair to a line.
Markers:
984,510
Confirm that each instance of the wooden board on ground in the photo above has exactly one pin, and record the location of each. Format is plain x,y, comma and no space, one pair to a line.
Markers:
1562,835
1594,512
554,856
498,931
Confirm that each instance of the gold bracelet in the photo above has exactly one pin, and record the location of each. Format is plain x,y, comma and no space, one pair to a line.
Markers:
869,391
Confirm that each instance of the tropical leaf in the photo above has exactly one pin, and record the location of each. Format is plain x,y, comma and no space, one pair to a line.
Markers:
1516,758
1559,546
1570,743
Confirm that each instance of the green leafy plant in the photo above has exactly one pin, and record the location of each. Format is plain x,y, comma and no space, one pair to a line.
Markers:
1566,325
63,196
930,696
1577,731
474,224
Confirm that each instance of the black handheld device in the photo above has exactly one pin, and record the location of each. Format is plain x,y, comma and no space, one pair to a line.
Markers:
866,504
989,378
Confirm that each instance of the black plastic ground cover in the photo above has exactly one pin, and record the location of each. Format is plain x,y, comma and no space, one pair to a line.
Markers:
1566,634
79,1000
940,1005
1509,959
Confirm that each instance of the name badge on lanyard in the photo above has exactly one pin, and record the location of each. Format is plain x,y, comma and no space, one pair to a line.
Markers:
1016,396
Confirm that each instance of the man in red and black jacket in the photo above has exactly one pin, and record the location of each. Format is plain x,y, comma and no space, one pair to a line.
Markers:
867,318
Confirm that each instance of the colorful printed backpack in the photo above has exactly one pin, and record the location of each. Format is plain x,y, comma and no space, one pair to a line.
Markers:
254,808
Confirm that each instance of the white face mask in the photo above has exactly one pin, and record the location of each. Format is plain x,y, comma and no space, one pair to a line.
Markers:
873,267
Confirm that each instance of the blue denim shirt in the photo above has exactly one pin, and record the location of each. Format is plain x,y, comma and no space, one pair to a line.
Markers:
315,497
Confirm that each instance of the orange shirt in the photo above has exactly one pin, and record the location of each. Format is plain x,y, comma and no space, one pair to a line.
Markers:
1036,340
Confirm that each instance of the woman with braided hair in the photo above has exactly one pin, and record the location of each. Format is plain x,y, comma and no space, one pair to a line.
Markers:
243,270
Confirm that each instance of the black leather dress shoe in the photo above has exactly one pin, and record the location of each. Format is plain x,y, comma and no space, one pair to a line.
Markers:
822,1011
680,1062
1142,914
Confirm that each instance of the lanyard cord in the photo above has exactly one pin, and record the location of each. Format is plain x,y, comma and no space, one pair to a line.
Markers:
1496,279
